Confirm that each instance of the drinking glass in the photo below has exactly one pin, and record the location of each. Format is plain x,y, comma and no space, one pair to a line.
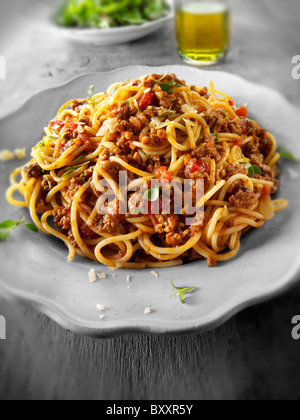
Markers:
203,30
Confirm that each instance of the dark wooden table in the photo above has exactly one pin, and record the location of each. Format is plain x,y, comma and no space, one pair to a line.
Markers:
251,357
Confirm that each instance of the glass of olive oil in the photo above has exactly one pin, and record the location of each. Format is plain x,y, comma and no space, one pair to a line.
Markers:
203,31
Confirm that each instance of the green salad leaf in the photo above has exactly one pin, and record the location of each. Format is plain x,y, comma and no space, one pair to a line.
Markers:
105,14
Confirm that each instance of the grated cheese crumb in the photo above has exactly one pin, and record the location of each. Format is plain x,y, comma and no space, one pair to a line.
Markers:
187,109
20,153
101,275
92,276
128,279
6,155
155,274
147,311
101,316
100,308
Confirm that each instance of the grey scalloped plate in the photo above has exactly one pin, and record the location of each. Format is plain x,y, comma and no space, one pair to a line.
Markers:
34,267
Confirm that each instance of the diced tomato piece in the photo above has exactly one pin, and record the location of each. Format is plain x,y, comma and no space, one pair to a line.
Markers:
71,125
163,174
266,191
197,166
147,100
238,142
60,123
230,101
242,112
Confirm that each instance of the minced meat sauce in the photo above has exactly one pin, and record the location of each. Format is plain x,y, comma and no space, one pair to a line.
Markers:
133,126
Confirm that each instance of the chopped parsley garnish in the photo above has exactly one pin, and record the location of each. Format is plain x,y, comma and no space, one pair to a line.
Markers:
167,112
252,169
43,142
128,103
70,169
216,137
78,158
285,154
167,86
181,291
152,194
7,227
90,95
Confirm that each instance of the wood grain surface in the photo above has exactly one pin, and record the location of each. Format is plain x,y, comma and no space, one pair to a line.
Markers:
251,357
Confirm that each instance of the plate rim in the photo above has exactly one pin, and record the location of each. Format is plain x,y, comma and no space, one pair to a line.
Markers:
110,330
116,328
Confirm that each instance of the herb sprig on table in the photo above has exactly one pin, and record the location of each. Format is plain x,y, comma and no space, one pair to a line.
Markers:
181,291
7,227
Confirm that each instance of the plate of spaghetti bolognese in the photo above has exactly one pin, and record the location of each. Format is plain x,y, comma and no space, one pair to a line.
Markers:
147,182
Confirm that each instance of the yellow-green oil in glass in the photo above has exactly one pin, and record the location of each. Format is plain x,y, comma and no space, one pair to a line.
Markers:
202,32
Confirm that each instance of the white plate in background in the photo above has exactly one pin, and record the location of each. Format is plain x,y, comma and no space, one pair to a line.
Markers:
120,35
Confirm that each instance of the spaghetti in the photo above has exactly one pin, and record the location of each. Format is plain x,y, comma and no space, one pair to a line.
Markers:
153,128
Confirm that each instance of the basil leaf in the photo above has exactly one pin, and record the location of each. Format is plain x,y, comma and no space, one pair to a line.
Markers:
286,154
8,224
252,169
256,170
173,83
167,86
164,86
152,194
32,227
